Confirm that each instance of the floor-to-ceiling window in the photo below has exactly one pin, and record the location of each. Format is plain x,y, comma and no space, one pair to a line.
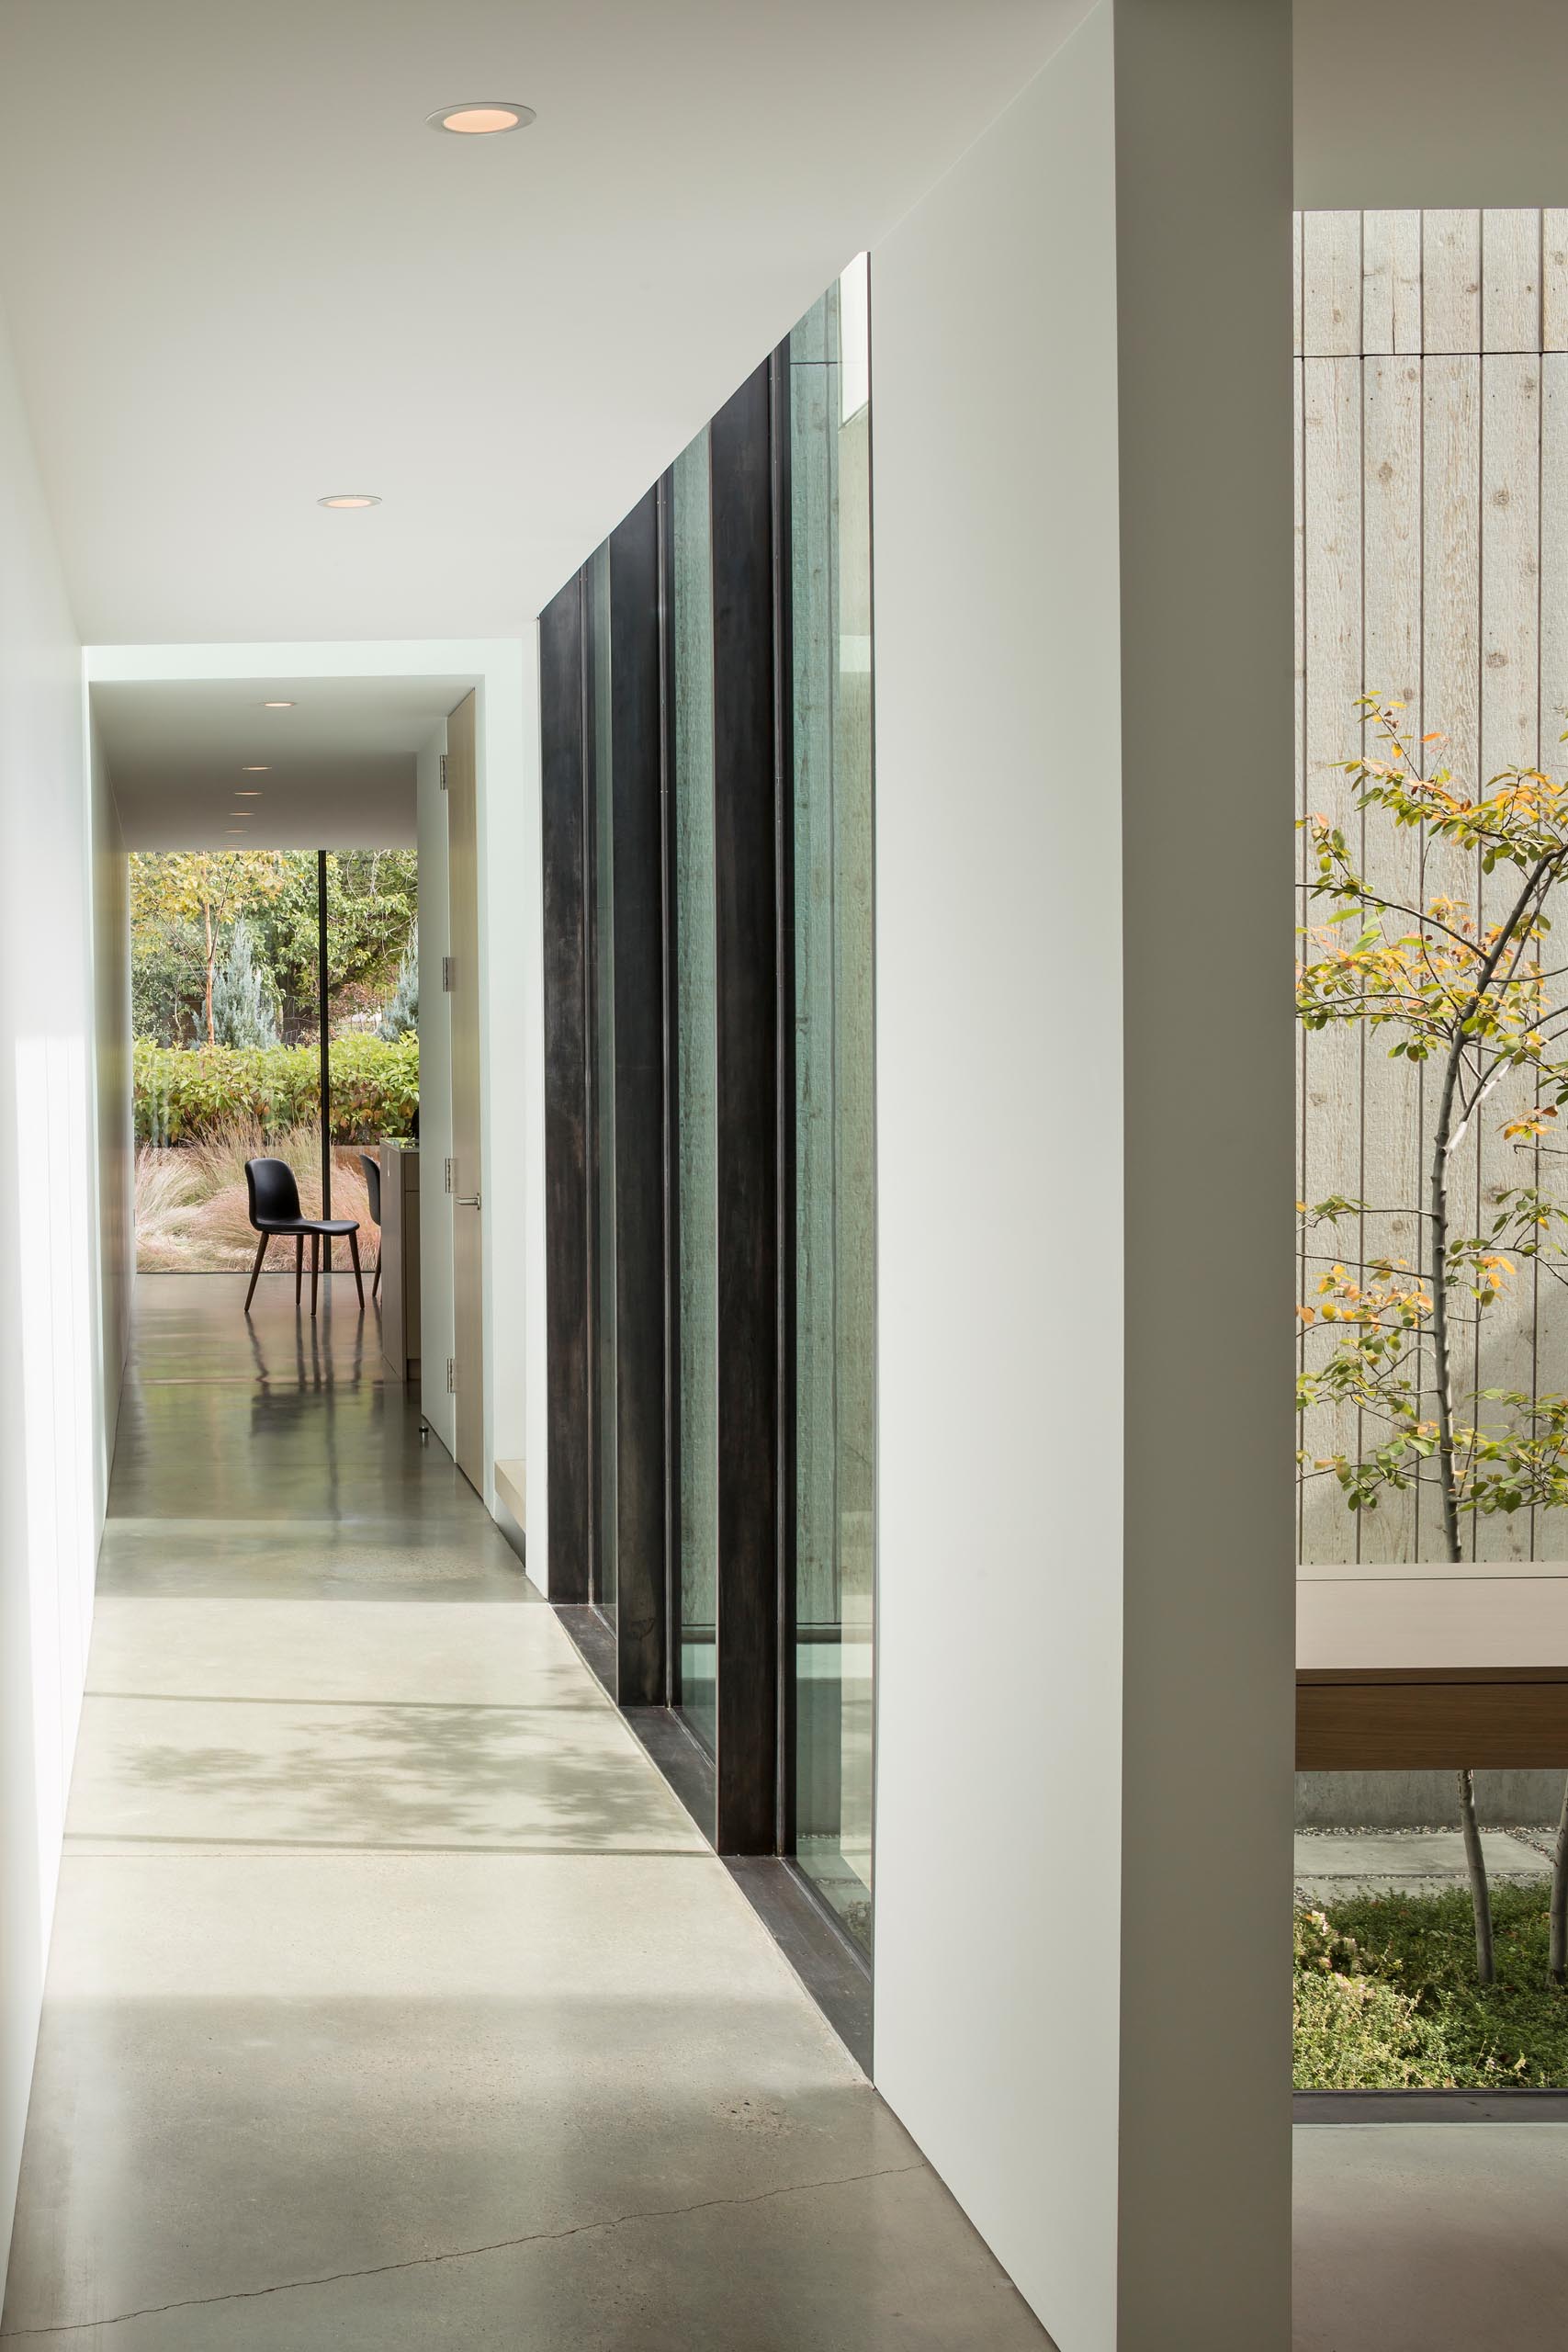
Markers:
603,1159
228,952
834,1179
694,1057
707,835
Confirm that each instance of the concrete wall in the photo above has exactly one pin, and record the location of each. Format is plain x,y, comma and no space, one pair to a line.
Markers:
50,1395
1082,549
1425,1800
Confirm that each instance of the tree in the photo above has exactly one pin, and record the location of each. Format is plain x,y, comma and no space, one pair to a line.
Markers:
372,903
209,887
243,1007
1473,1000
166,978
403,1013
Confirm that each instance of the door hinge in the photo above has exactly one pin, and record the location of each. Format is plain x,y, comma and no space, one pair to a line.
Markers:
451,1376
442,771
450,1166
449,967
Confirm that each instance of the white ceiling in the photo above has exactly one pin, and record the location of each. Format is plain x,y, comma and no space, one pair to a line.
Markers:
241,272
340,765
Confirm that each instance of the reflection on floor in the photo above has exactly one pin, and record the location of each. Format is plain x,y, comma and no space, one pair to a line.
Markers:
393,2001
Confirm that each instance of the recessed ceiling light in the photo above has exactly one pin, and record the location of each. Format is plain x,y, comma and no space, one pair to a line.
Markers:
256,771
349,498
247,792
478,118
277,705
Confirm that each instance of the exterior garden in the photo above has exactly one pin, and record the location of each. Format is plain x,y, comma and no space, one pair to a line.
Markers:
1431,1929
228,1023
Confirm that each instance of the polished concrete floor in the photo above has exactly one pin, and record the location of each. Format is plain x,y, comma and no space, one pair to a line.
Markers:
393,2000
1431,2237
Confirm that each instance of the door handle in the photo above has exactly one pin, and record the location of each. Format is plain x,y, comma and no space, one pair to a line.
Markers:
468,1201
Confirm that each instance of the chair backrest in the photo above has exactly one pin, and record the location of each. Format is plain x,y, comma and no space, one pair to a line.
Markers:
372,1166
274,1196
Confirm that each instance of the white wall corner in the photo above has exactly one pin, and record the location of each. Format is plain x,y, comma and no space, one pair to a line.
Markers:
1083,631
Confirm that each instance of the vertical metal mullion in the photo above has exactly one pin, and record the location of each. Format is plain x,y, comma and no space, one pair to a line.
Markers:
783,851
592,1080
672,1142
639,1029
746,965
326,1072
565,1137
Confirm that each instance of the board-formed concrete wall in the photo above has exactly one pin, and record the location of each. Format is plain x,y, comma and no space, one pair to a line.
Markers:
1432,569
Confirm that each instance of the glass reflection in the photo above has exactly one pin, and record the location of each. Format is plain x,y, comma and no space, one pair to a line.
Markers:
835,1234
696,1081
605,1550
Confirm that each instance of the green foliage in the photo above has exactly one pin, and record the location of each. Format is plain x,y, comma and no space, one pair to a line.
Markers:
1475,1001
1386,1994
1354,2029
403,1013
243,1012
184,1093
187,908
168,973
372,904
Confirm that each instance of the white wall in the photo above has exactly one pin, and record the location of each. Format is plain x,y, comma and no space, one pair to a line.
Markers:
1074,1631
50,1443
114,1153
511,1074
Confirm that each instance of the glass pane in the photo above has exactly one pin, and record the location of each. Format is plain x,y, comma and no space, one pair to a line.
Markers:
373,1028
835,1301
697,1084
227,1024
604,1076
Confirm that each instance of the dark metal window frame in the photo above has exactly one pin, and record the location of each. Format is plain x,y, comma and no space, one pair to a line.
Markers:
742,1796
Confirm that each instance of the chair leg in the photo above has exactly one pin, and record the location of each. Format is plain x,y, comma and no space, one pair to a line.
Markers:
298,1265
376,1278
255,1270
358,1277
315,1267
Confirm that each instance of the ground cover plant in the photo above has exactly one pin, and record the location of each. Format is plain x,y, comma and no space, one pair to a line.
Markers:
1387,1997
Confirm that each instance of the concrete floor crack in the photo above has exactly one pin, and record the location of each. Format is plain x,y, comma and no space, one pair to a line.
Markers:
454,2253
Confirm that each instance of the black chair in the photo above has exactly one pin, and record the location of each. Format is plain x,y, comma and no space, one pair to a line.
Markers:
372,1166
275,1208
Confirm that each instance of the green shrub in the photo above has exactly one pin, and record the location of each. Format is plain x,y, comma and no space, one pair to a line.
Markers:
183,1093
1386,1994
1354,2029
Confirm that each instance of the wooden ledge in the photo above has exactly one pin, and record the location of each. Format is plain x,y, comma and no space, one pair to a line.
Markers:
1416,1669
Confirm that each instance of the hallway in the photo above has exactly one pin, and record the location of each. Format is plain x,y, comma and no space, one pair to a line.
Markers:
393,2000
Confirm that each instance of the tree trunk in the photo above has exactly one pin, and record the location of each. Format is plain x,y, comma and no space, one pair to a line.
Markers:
1475,1860
1480,1893
1559,1960
206,920
1539,879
